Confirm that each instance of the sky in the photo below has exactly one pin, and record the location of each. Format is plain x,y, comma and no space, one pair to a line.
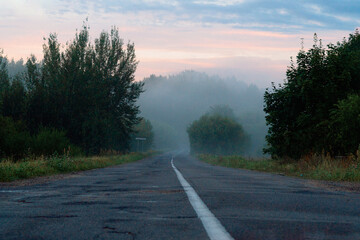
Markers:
251,40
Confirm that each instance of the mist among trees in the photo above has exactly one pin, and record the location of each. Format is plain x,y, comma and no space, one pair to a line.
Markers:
172,103
218,132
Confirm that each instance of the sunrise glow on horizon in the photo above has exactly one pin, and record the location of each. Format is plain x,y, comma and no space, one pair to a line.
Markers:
250,40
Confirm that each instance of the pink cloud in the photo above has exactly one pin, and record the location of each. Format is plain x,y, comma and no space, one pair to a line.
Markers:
255,56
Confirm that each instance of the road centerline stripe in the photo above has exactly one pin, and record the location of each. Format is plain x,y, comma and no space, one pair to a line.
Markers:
212,225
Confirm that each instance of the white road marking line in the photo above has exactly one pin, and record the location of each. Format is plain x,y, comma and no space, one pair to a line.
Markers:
212,225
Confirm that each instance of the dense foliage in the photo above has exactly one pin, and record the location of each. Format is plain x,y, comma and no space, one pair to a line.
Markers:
317,108
217,133
14,138
86,92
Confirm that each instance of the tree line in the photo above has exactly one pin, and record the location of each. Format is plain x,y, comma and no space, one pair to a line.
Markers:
84,95
317,109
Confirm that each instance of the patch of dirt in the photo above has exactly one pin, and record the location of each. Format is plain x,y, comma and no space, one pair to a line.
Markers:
38,180
337,186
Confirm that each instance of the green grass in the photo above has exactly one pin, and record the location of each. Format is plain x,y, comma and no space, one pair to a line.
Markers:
29,168
317,167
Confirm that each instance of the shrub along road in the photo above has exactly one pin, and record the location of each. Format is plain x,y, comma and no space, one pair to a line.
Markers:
145,200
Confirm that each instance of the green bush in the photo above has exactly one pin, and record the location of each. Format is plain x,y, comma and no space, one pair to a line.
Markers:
14,138
216,134
16,142
50,141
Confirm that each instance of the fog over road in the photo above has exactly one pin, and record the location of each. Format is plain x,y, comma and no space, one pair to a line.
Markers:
145,200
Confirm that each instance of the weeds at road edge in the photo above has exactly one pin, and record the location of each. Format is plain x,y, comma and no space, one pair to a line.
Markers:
318,167
29,168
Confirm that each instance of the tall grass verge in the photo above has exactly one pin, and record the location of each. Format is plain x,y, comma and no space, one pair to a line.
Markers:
29,168
318,167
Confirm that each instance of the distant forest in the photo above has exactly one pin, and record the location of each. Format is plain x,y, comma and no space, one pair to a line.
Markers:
172,103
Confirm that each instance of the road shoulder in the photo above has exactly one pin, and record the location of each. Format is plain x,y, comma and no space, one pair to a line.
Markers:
336,186
39,180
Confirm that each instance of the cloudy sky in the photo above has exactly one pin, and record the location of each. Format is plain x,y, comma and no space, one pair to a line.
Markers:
249,39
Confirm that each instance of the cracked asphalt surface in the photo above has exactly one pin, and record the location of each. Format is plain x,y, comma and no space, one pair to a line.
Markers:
144,200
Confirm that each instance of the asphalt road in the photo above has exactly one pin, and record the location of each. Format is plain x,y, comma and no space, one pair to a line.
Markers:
145,200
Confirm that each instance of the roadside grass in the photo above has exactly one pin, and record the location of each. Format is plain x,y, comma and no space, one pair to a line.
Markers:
29,168
318,167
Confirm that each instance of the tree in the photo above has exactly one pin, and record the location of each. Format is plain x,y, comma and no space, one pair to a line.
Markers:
345,122
14,138
4,79
217,134
16,68
37,100
222,110
87,91
143,129
14,100
90,90
298,112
